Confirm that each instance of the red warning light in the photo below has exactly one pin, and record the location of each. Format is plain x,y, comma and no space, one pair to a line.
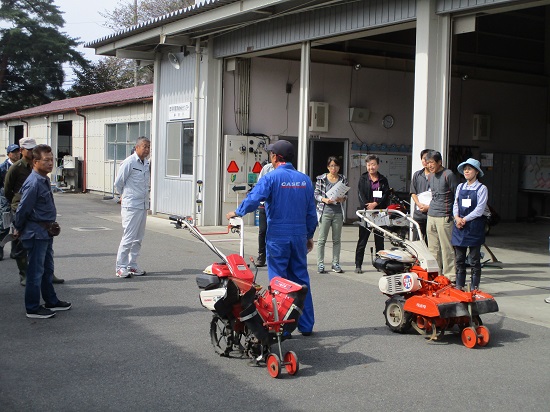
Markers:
233,167
257,168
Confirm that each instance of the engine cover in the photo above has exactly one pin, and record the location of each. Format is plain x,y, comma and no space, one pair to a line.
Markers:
399,283
210,297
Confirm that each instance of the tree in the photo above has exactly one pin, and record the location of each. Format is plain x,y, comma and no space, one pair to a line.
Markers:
125,14
32,52
108,74
114,73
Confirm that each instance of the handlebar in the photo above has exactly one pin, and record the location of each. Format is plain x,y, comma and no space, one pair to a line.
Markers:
368,216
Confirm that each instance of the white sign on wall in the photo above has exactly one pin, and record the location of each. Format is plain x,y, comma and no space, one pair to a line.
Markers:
179,111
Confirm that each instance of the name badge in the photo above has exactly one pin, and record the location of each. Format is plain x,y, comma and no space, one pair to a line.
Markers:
377,193
466,202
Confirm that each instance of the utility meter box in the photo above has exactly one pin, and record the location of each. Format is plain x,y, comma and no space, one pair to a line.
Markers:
69,162
243,158
318,116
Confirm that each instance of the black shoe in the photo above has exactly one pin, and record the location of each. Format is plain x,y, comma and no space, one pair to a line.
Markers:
306,333
260,260
59,306
57,280
41,313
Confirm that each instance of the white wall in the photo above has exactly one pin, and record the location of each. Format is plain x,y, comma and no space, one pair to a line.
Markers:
99,172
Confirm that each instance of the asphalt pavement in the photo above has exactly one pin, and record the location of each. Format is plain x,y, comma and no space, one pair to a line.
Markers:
143,344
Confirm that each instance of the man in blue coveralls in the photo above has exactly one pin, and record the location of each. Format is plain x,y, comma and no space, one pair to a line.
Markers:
291,222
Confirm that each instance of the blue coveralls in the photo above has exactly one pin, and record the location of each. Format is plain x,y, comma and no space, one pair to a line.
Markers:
291,221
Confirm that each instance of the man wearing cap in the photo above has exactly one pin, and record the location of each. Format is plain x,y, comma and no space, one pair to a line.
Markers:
469,230
439,226
14,154
291,222
16,176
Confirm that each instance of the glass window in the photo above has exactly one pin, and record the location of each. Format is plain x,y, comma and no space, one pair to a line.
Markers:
173,149
179,149
122,137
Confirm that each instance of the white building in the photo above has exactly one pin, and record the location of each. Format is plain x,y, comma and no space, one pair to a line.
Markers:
99,129
466,78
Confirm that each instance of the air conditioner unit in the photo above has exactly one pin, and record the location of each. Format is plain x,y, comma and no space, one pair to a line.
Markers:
482,127
359,115
318,117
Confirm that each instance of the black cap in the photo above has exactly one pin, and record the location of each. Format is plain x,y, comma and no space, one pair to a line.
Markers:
282,148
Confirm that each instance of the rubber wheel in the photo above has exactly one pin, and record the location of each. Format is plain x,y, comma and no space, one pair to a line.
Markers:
221,336
469,337
273,365
291,363
482,335
397,319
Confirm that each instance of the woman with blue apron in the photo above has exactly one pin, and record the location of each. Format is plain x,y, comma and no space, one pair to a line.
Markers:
469,229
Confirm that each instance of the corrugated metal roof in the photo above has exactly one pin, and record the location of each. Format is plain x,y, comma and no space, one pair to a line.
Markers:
158,21
112,98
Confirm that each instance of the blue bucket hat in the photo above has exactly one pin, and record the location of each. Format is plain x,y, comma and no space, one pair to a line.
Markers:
12,148
472,162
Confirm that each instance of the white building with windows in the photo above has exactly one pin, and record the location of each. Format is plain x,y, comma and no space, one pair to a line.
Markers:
345,78
98,130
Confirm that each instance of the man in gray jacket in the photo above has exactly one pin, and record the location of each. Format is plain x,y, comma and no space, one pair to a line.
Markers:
443,184
133,183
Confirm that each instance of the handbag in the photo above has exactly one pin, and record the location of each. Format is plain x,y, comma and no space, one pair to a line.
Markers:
52,228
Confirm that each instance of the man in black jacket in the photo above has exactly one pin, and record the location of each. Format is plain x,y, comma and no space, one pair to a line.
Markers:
373,194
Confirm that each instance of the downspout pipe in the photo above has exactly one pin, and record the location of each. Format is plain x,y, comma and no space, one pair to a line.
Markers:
84,160
27,123
196,149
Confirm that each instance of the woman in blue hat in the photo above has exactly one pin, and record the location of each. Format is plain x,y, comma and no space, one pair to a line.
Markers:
469,229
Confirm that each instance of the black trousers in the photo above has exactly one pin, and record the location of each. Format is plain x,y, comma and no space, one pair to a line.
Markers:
364,234
460,263
262,231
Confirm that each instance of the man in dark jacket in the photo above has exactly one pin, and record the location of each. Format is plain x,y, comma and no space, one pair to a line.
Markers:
35,213
16,176
374,192
14,154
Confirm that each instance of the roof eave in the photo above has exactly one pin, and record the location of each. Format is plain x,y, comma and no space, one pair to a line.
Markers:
157,30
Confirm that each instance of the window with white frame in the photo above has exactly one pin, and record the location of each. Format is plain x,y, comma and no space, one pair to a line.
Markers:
179,148
122,137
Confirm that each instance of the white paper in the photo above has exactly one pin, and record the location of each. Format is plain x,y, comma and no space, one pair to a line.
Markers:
424,197
338,190
466,202
377,194
6,219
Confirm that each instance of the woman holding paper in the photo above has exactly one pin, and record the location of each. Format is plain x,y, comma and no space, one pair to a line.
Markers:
373,194
330,195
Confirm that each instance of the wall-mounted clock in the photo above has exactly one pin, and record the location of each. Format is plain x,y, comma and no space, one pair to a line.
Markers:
388,121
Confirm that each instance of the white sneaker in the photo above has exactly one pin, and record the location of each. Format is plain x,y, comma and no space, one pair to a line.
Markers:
547,300
136,272
122,273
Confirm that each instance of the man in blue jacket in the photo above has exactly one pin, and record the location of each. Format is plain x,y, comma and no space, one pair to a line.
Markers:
291,222
35,213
